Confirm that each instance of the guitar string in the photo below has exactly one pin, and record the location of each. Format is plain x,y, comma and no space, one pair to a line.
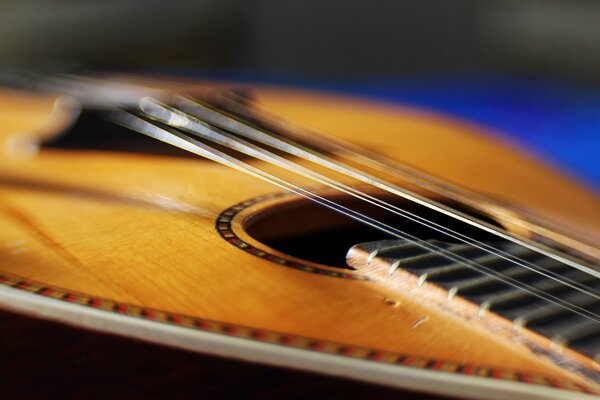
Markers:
153,109
173,117
252,110
535,249
100,91
273,140
236,105
82,86
225,121
181,140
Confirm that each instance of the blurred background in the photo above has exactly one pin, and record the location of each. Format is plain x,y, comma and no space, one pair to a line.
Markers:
526,69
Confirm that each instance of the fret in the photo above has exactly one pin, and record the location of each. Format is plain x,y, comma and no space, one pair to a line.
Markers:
490,293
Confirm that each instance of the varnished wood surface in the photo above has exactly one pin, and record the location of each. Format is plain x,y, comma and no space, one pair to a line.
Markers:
139,230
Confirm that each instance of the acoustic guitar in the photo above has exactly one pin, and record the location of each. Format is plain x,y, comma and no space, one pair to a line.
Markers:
293,229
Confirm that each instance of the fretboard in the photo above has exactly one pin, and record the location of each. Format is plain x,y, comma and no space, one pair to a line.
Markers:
505,286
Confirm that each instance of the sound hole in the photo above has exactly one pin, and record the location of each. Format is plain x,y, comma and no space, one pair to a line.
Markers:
311,232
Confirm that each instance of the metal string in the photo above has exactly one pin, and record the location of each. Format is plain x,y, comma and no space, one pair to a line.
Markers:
276,141
232,102
103,93
100,93
425,181
180,140
174,117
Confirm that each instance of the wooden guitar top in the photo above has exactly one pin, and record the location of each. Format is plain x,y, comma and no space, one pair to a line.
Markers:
156,248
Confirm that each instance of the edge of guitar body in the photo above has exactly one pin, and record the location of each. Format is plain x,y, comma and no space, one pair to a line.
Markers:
228,345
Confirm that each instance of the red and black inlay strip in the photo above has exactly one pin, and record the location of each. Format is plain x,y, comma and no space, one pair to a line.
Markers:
277,338
225,229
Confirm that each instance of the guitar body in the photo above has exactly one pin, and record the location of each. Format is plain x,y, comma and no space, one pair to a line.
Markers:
163,249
